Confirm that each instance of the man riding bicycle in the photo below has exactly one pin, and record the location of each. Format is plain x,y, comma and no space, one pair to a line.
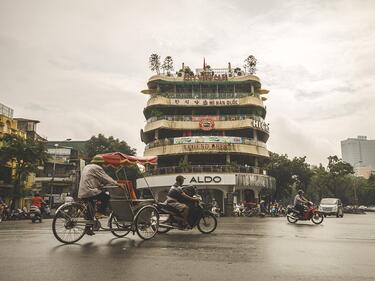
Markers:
93,179
176,196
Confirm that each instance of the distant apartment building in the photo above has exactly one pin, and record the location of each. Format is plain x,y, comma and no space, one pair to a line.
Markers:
360,153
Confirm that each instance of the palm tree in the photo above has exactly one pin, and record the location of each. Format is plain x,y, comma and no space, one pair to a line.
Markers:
250,64
167,65
155,63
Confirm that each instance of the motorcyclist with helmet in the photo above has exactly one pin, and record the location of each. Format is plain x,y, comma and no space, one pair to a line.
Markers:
176,198
300,201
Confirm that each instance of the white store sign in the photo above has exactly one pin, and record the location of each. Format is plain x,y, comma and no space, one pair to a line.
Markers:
205,102
191,179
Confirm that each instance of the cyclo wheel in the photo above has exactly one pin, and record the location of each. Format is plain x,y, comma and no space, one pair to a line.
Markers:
68,224
147,222
207,223
118,229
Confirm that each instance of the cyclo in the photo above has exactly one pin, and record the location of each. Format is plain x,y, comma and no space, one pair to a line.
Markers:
128,214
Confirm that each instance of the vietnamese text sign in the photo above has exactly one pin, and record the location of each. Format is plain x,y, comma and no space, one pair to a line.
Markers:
208,139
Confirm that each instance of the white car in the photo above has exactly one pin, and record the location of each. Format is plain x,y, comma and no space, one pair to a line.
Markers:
331,206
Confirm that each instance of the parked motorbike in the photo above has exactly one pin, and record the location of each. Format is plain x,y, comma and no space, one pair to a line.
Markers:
35,214
216,211
4,212
237,210
18,214
199,217
311,213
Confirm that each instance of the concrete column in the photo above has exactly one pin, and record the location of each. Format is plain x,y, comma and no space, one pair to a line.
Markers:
255,133
252,88
227,160
156,134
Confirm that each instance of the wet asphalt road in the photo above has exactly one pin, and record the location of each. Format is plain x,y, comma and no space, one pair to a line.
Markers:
240,249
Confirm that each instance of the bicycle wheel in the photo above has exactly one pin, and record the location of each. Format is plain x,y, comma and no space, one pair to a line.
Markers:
147,222
69,223
118,229
207,223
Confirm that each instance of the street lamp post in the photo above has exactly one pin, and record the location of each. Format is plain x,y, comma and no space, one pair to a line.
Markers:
356,186
53,174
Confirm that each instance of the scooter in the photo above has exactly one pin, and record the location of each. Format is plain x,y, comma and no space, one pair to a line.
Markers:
215,211
35,214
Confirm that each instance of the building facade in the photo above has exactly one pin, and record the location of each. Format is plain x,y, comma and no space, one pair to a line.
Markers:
208,126
61,173
360,153
26,129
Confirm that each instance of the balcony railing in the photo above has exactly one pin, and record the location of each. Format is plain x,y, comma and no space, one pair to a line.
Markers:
198,117
207,169
204,139
214,95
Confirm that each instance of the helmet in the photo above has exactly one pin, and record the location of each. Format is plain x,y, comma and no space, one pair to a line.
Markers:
180,178
300,192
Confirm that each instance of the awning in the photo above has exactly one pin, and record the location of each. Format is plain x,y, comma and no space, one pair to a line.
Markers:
120,159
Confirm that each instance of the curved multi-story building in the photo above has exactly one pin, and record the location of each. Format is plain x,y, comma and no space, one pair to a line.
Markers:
209,127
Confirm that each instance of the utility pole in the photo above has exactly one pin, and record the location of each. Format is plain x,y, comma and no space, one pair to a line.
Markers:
53,175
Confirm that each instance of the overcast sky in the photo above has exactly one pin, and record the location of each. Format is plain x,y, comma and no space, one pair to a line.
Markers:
79,66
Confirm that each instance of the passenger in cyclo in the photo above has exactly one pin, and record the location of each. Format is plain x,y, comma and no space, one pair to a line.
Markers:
93,179
176,198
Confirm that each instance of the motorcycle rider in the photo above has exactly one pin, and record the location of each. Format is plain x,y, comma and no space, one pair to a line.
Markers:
300,201
176,196
38,201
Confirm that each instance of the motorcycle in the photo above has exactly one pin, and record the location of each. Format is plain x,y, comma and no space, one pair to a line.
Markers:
4,212
215,211
311,213
199,217
237,210
35,214
18,214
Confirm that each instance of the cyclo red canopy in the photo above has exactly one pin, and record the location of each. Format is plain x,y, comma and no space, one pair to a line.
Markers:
119,159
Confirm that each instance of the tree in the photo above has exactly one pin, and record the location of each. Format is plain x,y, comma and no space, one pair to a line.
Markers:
338,167
187,71
250,64
280,168
101,144
155,63
25,155
168,65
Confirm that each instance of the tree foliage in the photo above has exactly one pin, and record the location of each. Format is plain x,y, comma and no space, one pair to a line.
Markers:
154,62
335,180
25,155
167,65
250,64
100,144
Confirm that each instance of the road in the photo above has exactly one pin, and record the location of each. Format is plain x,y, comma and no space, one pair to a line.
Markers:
240,249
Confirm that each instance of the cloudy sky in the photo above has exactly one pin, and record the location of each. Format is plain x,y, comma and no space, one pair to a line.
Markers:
79,66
